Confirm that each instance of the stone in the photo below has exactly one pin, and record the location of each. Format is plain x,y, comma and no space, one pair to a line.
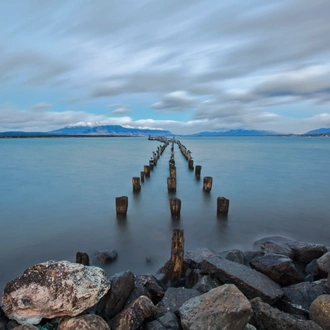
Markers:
192,277
154,325
275,239
328,280
133,316
53,289
84,322
174,298
323,264
234,255
297,298
250,327
26,327
3,320
106,256
319,311
276,248
169,321
277,267
194,257
251,282
306,252
312,269
267,317
12,324
206,283
249,255
224,307
114,301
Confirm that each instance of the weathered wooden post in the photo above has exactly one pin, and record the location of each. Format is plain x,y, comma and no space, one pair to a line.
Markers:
146,171
142,176
175,206
151,164
82,258
177,254
121,205
171,184
136,184
207,184
191,164
172,171
222,206
198,169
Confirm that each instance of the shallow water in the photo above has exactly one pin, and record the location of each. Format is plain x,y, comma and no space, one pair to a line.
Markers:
58,197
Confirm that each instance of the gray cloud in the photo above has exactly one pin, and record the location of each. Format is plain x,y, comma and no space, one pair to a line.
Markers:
176,101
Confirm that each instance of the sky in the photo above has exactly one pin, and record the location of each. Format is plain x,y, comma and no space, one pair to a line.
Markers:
182,65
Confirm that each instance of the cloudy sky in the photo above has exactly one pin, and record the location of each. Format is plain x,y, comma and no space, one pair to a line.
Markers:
183,65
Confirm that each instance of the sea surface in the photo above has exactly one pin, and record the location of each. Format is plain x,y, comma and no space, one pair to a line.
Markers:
58,197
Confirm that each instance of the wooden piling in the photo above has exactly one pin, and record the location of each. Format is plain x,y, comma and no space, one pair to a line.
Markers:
175,206
172,171
146,171
82,258
151,164
177,254
142,176
171,184
198,170
121,205
191,164
222,206
136,184
207,184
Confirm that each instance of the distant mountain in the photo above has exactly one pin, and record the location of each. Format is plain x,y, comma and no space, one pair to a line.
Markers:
319,131
237,132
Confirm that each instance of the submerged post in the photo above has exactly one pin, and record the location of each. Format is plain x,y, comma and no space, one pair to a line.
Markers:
136,184
175,206
82,258
207,184
198,170
121,205
172,171
171,184
147,171
151,164
177,254
191,164
142,176
222,206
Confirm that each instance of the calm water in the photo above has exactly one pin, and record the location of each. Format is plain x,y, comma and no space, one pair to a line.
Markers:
58,197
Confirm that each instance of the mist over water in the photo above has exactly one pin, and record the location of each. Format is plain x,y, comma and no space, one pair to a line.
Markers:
58,197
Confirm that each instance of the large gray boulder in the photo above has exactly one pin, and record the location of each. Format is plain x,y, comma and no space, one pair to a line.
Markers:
167,321
53,289
306,252
320,311
276,248
251,282
84,322
274,239
224,307
323,264
206,283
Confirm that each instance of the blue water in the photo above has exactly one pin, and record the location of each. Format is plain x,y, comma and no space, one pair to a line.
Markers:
58,197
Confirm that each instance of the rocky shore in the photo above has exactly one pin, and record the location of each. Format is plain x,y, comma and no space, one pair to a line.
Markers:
282,284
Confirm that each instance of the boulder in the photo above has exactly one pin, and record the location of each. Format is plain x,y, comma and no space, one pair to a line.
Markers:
312,270
249,255
26,327
275,239
251,282
167,321
174,298
106,256
297,298
84,322
224,307
328,280
53,289
276,248
267,317
133,316
278,267
114,301
323,264
234,255
320,311
3,320
306,252
194,257
192,277
205,284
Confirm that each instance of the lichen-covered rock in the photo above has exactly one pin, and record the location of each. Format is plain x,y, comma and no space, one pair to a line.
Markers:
320,311
224,307
133,316
306,252
323,264
114,300
267,317
206,283
84,322
53,289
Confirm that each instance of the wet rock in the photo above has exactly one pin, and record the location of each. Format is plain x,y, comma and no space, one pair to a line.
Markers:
194,257
192,277
251,282
12,325
298,297
328,280
168,321
106,256
312,270
26,327
82,258
323,264
53,289
306,252
84,322
267,317
278,267
274,239
250,327
276,248
249,255
224,307
234,255
320,311
133,316
206,283
154,325
174,298
114,301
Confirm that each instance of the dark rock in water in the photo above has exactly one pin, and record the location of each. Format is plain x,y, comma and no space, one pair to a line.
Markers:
168,321
267,317
106,256
82,258
323,264
275,248
251,282
133,316
174,298
234,255
275,239
224,307
114,301
306,252
278,267
206,283
194,257
298,297
84,322
320,311
249,255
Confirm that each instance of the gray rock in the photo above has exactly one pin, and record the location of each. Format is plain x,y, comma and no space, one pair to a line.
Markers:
174,298
249,255
114,301
267,317
106,256
251,282
276,248
53,289
306,252
206,283
84,322
194,257
234,255
192,277
275,239
3,320
312,269
250,327
320,311
154,325
224,307
277,267
323,264
26,327
170,321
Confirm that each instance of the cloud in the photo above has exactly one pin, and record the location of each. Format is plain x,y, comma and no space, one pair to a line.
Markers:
120,111
176,101
40,107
